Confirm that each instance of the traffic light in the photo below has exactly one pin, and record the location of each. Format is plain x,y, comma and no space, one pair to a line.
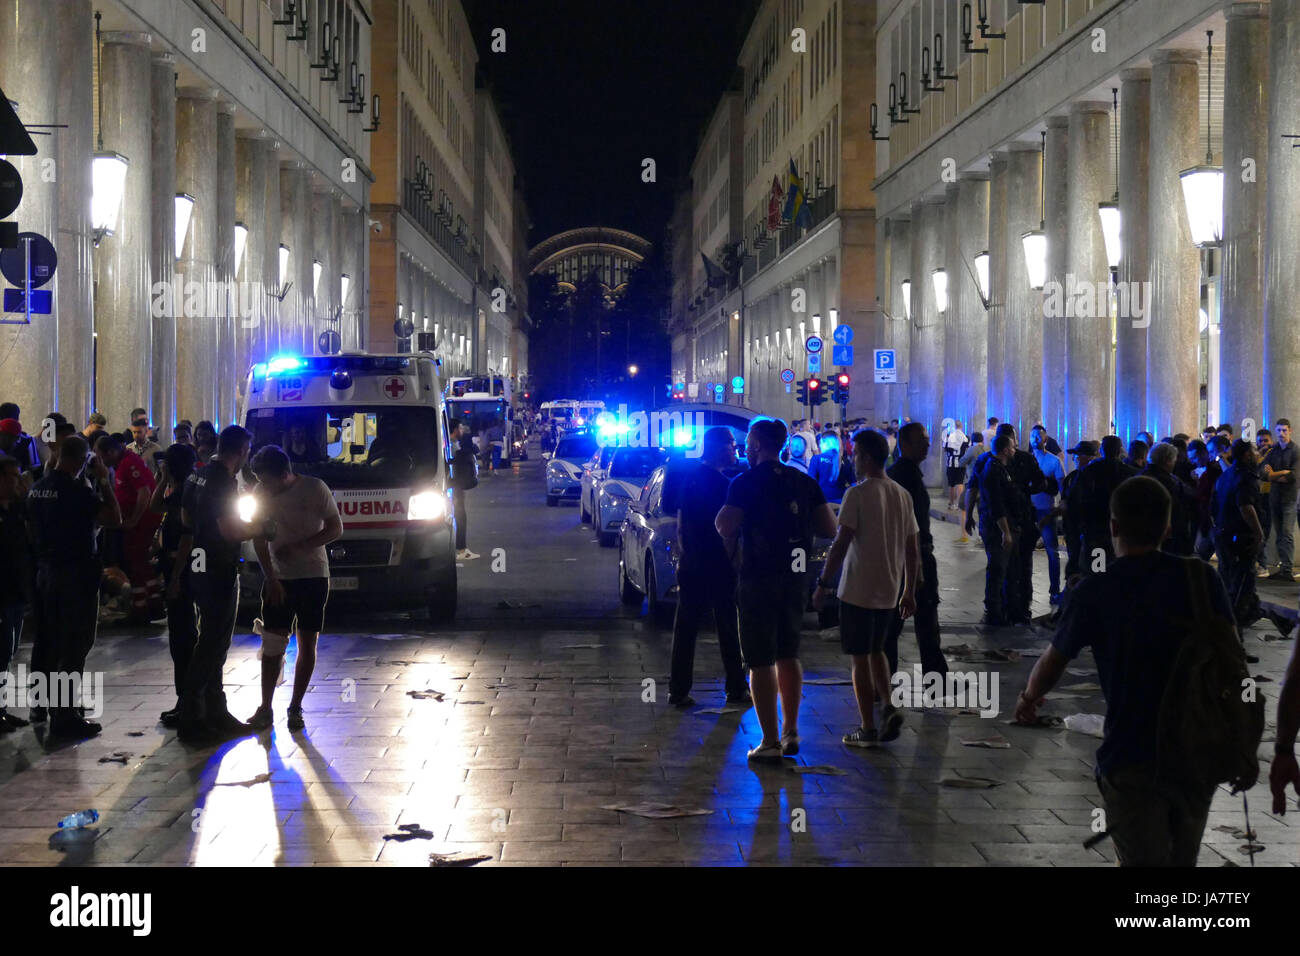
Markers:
803,392
841,396
816,392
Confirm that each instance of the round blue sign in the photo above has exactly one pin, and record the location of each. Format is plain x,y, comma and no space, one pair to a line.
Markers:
843,335
719,388
738,382
787,375
813,345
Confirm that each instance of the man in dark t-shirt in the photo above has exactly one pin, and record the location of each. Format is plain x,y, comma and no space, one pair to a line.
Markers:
775,512
1134,618
913,447
1235,507
696,492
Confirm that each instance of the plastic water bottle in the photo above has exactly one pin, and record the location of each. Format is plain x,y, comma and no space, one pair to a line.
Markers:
82,818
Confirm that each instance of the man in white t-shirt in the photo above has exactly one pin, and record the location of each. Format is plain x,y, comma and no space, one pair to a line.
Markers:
955,444
296,572
878,544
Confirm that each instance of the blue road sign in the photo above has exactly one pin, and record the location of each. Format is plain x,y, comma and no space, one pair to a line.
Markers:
843,335
842,354
814,362
42,301
738,385
885,366
813,345
787,375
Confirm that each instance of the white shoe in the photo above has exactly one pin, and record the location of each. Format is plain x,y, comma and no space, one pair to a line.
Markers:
466,555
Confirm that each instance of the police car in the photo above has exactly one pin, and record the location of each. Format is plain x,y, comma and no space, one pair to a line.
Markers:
374,429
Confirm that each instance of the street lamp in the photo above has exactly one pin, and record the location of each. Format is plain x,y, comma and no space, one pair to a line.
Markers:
940,279
316,269
907,298
284,265
344,281
108,183
241,240
1034,241
184,209
632,370
982,275
1203,185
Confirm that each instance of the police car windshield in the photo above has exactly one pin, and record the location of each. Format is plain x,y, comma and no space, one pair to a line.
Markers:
576,448
635,462
352,445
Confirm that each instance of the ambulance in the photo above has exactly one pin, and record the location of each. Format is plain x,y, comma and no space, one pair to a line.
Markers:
374,429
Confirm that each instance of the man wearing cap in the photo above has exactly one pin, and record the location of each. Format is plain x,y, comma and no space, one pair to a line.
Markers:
143,446
1084,454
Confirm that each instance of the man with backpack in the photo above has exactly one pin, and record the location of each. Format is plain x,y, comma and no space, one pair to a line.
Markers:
1176,721
774,511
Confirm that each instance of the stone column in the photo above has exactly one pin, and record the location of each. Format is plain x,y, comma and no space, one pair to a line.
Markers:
1172,338
1055,179
324,233
228,300
1024,317
1134,262
955,372
353,248
162,255
74,318
997,400
31,74
274,314
925,372
969,363
1282,326
251,163
123,325
1243,286
295,232
196,175
898,334
1086,296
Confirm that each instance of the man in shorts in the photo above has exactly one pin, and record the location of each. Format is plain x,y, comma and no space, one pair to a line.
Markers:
296,571
955,444
775,511
878,546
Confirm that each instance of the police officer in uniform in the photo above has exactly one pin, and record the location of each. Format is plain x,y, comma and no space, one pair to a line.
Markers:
210,514
64,512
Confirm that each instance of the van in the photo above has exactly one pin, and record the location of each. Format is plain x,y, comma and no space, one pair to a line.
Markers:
374,429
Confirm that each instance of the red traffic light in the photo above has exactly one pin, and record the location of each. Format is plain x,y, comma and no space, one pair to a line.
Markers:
813,384
843,378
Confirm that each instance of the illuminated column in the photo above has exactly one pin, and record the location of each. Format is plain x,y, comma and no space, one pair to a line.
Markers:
997,403
353,249
296,233
123,324
324,220
1134,262
1282,326
252,159
925,370
196,327
967,365
1243,285
271,334
1024,316
892,401
1055,173
162,254
1087,321
1172,338
73,285
228,297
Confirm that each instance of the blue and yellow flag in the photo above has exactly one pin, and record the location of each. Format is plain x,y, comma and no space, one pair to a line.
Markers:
796,202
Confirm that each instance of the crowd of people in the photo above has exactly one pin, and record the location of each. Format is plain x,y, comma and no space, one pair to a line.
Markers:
86,513
83,510
1135,523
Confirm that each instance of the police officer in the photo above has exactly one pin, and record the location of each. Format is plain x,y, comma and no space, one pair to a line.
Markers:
1096,484
63,513
210,513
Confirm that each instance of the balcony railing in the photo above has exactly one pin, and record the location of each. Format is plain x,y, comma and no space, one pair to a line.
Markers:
820,209
424,213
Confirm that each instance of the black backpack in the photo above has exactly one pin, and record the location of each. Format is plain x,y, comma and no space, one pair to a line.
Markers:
1207,732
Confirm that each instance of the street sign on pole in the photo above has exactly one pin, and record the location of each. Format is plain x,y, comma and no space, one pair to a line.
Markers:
842,354
843,335
814,362
787,375
885,366
813,345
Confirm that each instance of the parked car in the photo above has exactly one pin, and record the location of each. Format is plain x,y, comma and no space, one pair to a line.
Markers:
647,569
595,469
564,470
629,471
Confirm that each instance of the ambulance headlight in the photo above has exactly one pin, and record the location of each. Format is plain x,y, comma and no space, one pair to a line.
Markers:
427,506
247,506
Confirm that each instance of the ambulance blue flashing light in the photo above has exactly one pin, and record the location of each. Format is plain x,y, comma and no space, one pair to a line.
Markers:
282,363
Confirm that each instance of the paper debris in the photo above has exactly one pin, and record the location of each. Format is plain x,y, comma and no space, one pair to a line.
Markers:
456,859
426,694
992,742
656,811
117,756
1091,724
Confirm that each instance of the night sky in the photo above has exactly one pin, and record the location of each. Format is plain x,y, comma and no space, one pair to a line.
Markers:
589,88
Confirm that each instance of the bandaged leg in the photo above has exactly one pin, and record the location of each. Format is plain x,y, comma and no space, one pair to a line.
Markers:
271,654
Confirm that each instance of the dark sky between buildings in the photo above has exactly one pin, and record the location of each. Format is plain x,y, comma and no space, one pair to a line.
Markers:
588,89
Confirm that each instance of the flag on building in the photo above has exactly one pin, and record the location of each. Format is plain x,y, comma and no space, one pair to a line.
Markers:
796,202
713,272
776,198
